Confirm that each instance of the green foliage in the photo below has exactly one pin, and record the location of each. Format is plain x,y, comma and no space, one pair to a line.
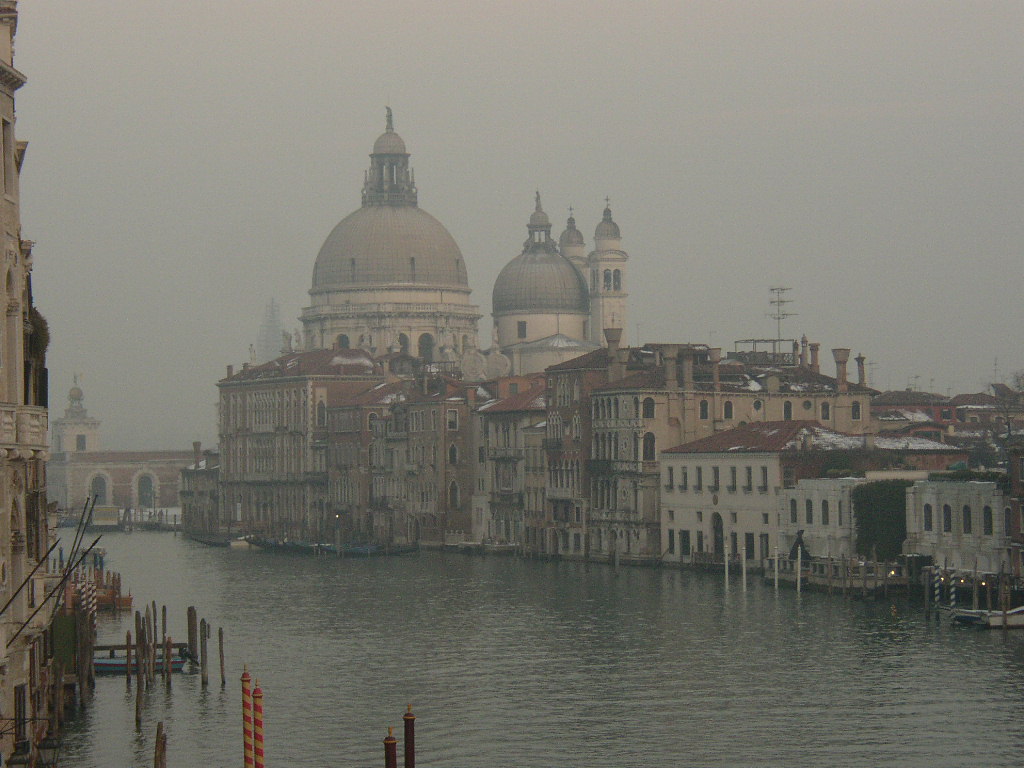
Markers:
880,510
1001,479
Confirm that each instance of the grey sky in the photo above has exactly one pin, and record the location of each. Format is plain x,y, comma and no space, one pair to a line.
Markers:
187,160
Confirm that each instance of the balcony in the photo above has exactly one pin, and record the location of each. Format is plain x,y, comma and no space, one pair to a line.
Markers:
748,489
599,466
561,494
713,488
507,497
23,426
731,488
552,443
505,454
762,489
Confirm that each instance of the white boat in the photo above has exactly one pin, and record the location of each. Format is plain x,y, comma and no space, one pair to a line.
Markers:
990,619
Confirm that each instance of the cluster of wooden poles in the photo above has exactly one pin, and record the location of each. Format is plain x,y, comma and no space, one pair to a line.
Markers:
147,648
938,581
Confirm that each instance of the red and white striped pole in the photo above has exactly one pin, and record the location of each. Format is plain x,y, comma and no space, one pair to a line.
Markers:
247,717
257,724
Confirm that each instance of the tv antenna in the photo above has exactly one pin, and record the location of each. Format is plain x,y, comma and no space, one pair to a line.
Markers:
779,313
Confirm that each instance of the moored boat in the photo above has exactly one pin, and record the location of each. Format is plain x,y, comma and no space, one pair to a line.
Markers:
118,665
1014,618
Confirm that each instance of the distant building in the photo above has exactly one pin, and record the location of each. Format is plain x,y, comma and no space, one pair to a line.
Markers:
961,525
80,470
201,512
272,339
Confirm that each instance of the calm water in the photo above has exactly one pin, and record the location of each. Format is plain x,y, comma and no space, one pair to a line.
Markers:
514,663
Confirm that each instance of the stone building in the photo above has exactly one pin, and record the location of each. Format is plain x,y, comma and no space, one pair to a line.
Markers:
552,302
961,525
79,469
500,496
28,686
390,277
273,449
199,494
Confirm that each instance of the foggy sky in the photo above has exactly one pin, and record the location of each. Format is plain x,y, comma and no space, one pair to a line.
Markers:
187,160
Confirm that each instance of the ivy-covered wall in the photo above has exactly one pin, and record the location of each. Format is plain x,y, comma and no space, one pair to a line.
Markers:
880,510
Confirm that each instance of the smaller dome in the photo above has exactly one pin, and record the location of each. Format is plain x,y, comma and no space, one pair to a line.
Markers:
607,229
76,393
538,218
571,235
389,143
540,280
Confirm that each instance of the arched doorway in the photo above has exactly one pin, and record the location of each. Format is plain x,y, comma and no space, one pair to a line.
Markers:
343,341
717,536
98,489
426,348
403,343
146,492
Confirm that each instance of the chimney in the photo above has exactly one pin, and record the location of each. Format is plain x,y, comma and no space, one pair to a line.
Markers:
196,446
841,356
688,370
231,371
715,355
617,367
814,347
803,351
862,378
670,357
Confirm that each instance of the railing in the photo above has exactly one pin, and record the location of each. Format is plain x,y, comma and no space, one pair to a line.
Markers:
551,443
599,466
506,497
514,454
559,493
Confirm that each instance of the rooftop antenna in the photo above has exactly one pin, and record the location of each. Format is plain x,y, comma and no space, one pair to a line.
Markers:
912,381
779,313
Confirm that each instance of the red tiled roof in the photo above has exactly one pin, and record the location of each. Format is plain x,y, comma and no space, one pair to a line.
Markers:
599,358
530,400
977,398
756,437
318,362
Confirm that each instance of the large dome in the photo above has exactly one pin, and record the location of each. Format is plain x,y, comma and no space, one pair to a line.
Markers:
540,280
389,244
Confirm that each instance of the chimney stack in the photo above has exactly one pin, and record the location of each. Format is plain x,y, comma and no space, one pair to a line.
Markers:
196,446
814,347
231,371
617,367
715,355
841,355
862,378
803,351
670,357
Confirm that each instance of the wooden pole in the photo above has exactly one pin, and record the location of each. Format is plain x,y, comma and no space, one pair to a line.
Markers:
168,655
799,567
743,566
257,725
128,660
156,746
220,648
927,591
163,616
409,742
193,634
725,560
204,632
247,718
974,586
776,569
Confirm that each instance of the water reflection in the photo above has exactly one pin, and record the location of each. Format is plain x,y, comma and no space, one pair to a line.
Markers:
536,664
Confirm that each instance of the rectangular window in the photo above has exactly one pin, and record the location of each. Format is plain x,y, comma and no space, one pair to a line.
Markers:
749,485
453,420
575,542
684,543
669,481
79,442
699,484
732,479
967,519
764,480
714,479
700,541
763,539
734,547
764,518
683,479
521,329
671,541
748,545
947,519
8,158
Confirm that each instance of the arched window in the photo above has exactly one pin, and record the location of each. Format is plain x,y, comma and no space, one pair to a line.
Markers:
824,512
986,521
649,447
704,409
453,495
792,510
967,519
453,454
809,509
403,343
727,409
98,489
787,411
947,518
927,517
607,279
855,410
617,280
343,342
321,414
826,411
636,407
615,407
1007,523
648,407
426,348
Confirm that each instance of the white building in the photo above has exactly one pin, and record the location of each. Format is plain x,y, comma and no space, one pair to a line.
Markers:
962,525
823,510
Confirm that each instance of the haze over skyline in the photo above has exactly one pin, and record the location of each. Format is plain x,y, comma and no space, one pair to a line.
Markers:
187,160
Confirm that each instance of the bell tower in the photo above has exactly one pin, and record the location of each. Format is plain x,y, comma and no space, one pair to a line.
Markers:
606,265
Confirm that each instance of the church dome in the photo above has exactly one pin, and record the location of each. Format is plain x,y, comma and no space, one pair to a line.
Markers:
540,279
607,229
388,244
389,143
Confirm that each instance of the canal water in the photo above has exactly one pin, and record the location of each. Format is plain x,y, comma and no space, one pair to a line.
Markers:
539,664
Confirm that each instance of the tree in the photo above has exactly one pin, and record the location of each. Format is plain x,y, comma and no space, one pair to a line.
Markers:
880,512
